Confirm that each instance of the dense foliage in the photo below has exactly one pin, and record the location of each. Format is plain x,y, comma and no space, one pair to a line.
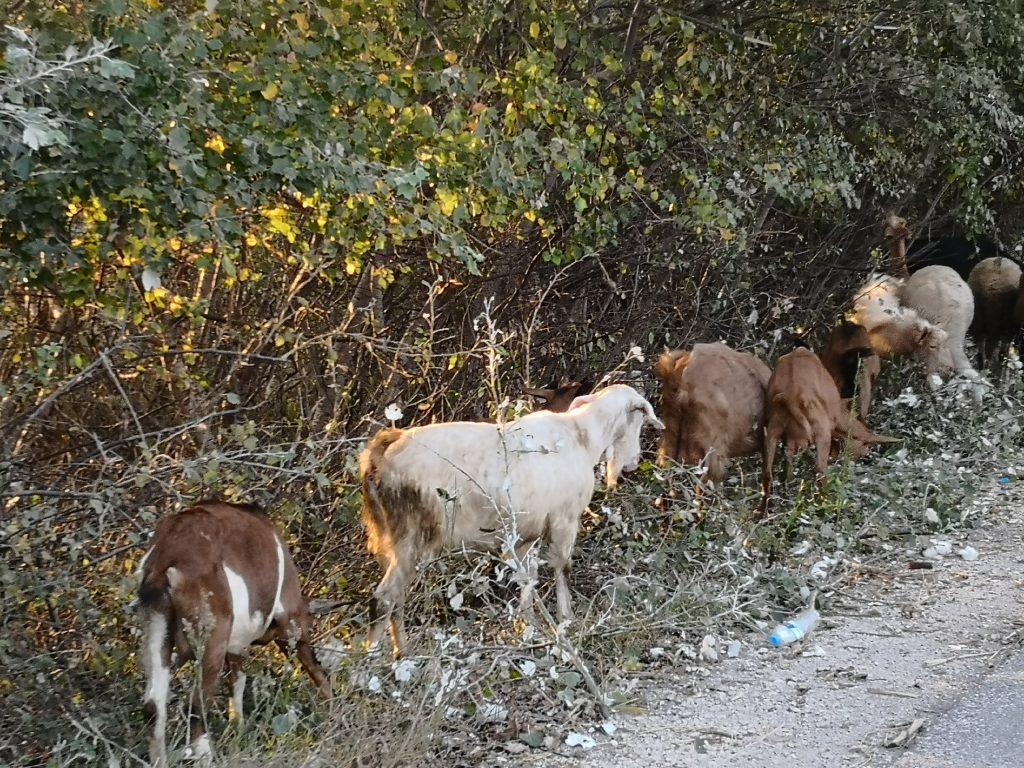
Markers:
232,232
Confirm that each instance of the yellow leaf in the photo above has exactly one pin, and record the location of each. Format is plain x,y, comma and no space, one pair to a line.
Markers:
535,29
451,57
216,143
727,234
687,56
447,201
270,92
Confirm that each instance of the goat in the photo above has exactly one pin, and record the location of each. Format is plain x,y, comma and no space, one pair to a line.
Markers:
558,397
995,283
479,485
216,573
803,408
894,325
712,402
848,346
939,295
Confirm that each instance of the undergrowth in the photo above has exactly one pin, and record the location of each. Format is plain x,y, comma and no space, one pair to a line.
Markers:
659,579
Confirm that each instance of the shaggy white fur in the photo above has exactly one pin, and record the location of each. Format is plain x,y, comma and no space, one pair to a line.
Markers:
939,295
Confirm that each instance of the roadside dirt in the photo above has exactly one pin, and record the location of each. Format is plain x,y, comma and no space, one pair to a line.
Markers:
900,645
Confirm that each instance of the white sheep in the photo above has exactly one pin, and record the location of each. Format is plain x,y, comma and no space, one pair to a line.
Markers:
939,295
479,485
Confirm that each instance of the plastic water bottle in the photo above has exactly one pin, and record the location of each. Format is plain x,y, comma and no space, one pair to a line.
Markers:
795,629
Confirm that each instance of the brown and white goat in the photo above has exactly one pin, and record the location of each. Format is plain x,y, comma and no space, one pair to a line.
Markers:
896,329
217,578
996,285
712,403
559,397
476,485
803,410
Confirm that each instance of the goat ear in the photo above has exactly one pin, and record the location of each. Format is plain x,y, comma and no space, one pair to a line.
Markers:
581,400
540,393
611,469
650,417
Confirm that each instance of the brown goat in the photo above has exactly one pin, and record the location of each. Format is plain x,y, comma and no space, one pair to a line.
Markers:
847,345
803,408
712,402
217,578
558,397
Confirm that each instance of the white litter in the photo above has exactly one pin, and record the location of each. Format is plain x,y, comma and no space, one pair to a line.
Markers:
969,553
580,740
709,648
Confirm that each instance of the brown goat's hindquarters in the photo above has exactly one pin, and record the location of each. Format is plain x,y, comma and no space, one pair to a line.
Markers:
712,400
216,579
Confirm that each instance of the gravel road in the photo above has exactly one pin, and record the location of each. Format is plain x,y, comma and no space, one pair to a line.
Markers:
901,646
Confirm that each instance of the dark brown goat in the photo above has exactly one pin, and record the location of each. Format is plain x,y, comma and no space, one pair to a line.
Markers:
847,345
559,397
995,283
217,578
803,408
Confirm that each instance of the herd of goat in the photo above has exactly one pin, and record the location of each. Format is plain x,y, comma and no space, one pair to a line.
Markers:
218,576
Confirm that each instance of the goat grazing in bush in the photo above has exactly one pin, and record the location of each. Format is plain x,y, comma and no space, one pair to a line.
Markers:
848,346
216,574
995,283
712,401
804,409
479,485
558,397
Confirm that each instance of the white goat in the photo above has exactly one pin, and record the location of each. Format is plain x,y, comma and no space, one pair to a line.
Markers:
477,485
939,295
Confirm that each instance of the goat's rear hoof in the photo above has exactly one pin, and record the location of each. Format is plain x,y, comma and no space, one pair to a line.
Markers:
199,752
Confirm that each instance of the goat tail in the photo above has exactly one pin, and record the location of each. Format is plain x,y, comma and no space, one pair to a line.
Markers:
154,591
373,514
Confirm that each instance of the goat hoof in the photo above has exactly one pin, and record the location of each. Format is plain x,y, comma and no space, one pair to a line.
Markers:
199,751
934,381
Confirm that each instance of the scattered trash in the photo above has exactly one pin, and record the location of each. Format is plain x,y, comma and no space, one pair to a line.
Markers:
733,649
795,629
609,727
968,553
815,651
403,670
580,740
800,548
931,516
920,565
943,547
709,648
904,736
